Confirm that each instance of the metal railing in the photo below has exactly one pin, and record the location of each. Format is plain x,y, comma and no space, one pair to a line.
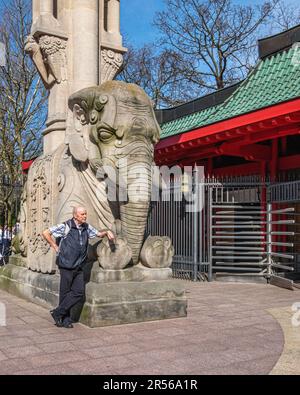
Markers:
284,192
244,239
194,233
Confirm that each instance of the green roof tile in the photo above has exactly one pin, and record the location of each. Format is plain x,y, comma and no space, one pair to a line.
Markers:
274,80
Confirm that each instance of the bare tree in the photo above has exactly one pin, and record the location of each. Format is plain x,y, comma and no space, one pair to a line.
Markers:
22,99
212,37
284,16
159,74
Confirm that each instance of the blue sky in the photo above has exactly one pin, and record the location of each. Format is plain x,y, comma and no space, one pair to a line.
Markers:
136,20
137,17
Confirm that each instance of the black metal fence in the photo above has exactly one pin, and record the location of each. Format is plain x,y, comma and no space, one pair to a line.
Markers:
198,234
188,219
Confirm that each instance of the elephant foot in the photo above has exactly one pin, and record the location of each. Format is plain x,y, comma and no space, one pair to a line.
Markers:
157,252
114,255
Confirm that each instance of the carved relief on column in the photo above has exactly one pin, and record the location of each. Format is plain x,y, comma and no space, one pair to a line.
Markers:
23,218
49,56
54,52
39,210
111,63
42,191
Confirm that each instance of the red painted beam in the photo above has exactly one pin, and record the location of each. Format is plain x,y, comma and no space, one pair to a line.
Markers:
239,170
254,152
289,162
284,164
258,116
253,137
199,152
274,134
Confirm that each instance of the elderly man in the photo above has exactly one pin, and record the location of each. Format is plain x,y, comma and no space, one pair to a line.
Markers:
71,257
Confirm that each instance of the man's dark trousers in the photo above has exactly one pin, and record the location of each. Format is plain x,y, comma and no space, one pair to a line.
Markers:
71,290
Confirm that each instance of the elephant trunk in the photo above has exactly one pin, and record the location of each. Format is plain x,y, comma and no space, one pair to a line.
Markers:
134,209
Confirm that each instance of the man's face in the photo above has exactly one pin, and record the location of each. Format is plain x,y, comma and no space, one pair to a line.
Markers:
81,216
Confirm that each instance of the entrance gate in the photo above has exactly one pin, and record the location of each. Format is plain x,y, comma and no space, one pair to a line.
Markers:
242,227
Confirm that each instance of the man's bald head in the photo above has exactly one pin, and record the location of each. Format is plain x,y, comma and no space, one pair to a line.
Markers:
77,209
80,214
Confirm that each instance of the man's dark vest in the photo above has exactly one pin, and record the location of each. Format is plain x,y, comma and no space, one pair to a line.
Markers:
73,248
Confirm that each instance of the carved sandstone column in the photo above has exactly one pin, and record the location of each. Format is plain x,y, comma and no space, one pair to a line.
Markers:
112,50
113,16
54,50
47,46
46,7
71,50
85,39
35,9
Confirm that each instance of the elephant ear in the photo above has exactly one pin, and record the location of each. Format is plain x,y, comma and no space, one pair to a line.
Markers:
77,145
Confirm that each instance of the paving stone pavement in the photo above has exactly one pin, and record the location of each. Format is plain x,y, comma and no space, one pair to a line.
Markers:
231,328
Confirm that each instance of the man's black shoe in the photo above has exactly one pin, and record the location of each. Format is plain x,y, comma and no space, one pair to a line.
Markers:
57,318
67,323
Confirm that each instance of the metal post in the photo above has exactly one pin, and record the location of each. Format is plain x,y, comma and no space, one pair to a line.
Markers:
195,219
210,209
269,240
200,191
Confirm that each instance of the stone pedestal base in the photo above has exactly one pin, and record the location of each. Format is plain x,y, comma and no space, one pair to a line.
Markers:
38,288
113,297
132,295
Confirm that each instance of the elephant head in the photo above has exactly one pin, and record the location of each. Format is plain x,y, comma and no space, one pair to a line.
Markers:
115,130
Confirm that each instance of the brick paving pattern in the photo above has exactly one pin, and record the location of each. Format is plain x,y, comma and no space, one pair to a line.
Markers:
229,330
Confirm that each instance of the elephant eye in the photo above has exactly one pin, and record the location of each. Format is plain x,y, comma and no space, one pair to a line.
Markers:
105,135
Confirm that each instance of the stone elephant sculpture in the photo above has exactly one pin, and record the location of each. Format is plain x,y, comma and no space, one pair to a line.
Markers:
113,139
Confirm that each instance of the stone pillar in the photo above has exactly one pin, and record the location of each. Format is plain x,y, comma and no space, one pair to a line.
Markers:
113,17
72,50
85,44
43,19
46,7
35,9
112,50
48,48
